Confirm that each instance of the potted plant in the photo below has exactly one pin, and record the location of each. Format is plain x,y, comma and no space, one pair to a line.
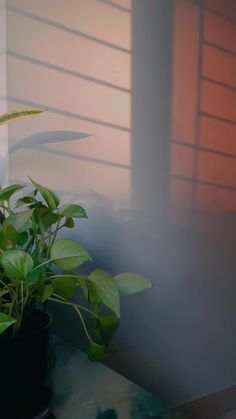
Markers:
35,267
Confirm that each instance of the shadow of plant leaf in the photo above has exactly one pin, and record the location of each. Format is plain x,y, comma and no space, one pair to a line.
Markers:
48,137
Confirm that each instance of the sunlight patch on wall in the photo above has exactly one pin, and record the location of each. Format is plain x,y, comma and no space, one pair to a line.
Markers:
77,65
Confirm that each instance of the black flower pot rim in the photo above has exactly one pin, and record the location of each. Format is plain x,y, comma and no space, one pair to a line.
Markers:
46,323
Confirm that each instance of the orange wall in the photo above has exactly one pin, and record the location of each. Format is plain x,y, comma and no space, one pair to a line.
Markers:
203,155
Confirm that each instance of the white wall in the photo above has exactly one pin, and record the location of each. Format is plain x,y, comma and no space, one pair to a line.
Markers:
74,58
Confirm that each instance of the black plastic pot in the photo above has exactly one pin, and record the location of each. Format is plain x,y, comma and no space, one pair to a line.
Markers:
24,360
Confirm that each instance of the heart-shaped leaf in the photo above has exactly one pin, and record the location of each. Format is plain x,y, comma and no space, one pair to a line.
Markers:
5,244
6,193
5,322
82,282
106,290
106,327
49,219
130,283
10,232
17,264
49,196
25,200
93,297
65,286
73,211
19,220
68,254
69,222
38,213
46,292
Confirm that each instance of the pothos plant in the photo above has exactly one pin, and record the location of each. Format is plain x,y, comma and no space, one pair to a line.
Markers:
36,265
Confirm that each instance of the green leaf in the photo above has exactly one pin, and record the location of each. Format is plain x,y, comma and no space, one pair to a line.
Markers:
37,204
106,290
25,200
5,322
17,264
37,274
106,327
49,219
81,281
50,197
22,238
68,254
98,352
130,283
64,286
8,237
19,220
15,115
10,232
93,297
5,244
6,193
46,292
72,211
38,213
34,276
69,223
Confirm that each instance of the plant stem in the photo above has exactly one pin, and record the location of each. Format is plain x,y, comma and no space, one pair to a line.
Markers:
22,302
49,241
55,231
5,285
26,295
84,325
46,262
76,308
31,244
63,301
64,276
52,237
